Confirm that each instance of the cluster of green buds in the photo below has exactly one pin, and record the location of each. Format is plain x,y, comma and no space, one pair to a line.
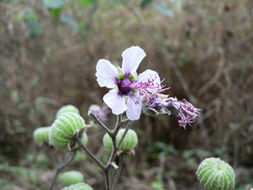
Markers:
68,133
129,142
216,174
67,126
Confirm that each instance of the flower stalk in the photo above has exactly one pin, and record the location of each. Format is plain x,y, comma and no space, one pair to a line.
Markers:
115,148
61,167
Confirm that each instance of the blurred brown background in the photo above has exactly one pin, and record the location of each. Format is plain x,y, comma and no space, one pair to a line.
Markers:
203,50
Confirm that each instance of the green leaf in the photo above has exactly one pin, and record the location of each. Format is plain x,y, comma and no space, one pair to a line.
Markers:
55,12
156,185
145,3
235,126
53,4
164,9
203,153
85,2
32,26
9,1
71,22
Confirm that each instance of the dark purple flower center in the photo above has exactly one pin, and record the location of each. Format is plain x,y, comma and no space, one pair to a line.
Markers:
124,85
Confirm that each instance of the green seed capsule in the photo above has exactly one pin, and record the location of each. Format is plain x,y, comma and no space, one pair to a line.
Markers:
65,109
40,135
130,141
70,177
215,174
84,139
79,156
78,186
64,129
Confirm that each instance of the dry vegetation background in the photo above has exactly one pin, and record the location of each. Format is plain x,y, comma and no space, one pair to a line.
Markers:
204,50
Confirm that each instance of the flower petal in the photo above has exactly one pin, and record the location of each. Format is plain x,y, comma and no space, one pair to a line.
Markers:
131,59
106,73
115,101
149,75
134,105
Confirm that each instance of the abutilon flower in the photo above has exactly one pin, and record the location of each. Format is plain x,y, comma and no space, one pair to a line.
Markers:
122,96
131,92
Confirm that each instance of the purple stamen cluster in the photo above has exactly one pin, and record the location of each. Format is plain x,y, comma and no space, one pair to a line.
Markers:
151,92
124,85
149,88
185,110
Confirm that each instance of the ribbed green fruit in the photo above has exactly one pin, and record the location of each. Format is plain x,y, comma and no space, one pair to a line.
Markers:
65,109
215,174
130,141
64,129
40,135
70,177
79,186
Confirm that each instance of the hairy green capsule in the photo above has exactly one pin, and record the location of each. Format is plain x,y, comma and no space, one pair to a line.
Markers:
64,129
215,174
70,177
40,135
78,186
130,141
65,109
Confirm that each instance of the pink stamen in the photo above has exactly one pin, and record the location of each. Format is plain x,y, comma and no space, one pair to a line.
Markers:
149,88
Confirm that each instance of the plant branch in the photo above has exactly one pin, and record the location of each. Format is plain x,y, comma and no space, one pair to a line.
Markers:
60,168
112,133
107,180
118,173
90,154
114,147
101,124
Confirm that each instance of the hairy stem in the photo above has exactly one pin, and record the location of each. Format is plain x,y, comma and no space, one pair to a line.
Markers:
61,167
112,133
101,124
118,173
107,179
99,163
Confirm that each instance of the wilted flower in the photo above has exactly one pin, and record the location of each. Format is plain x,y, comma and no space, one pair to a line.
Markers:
186,111
160,103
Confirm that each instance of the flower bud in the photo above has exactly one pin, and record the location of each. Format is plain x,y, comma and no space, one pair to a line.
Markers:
40,135
78,186
130,141
65,109
215,174
99,112
64,129
70,177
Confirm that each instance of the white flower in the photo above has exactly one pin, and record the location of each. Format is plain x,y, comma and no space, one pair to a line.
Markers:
122,96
